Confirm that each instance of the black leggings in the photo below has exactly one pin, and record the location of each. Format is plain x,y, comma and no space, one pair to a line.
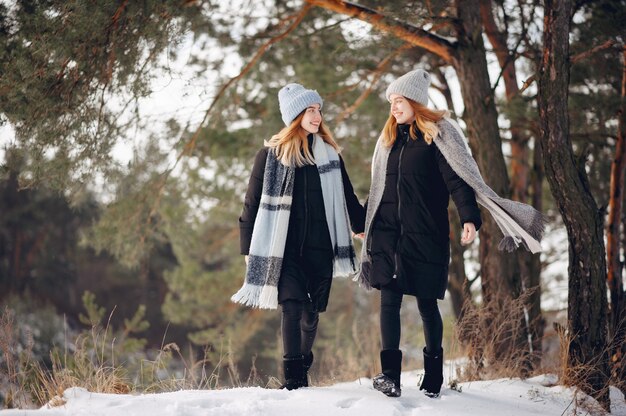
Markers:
390,302
299,328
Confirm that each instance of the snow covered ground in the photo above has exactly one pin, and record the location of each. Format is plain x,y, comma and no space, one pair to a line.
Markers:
502,397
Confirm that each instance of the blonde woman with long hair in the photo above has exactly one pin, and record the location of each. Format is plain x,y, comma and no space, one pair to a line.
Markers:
295,228
420,160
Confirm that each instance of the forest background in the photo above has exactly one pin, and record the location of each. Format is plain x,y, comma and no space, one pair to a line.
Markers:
127,133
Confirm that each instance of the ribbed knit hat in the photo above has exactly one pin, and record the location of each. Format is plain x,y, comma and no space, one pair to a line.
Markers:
294,99
413,85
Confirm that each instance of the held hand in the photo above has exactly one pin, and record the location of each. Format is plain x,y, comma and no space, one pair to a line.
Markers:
469,233
246,259
360,236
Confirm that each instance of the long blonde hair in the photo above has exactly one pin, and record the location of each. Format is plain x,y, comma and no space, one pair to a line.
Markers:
291,146
425,120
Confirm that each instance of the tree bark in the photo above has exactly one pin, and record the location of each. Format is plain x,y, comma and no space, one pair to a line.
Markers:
587,304
500,277
529,264
617,325
519,141
618,167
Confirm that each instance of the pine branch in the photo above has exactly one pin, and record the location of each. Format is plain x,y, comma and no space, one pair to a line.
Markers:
296,21
190,145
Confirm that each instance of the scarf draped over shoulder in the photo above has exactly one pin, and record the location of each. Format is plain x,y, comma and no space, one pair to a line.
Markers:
269,234
520,223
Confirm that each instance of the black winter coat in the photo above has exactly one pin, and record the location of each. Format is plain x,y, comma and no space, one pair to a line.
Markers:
307,269
410,238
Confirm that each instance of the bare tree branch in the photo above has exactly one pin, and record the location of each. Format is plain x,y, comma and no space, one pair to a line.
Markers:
414,35
576,58
584,55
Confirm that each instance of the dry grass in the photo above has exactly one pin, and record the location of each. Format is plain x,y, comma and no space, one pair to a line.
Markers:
101,360
490,336
86,366
13,361
157,377
578,375
197,373
351,352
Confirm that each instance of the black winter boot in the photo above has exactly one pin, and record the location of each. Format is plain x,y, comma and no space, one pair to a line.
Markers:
388,382
433,377
306,365
293,373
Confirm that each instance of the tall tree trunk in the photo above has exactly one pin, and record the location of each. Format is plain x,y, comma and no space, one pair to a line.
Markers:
537,321
519,141
530,266
617,326
587,305
499,277
529,263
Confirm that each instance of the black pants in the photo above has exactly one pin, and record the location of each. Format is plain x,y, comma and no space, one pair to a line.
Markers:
299,327
390,303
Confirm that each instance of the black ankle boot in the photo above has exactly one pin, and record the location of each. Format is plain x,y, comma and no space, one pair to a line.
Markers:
433,377
293,369
306,365
388,382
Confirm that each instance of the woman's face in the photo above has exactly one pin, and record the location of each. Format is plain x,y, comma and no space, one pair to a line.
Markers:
312,118
401,109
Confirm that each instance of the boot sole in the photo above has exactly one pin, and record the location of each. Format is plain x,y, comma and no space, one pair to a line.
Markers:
387,387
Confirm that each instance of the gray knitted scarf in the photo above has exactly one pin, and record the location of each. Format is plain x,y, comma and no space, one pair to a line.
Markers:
269,235
519,222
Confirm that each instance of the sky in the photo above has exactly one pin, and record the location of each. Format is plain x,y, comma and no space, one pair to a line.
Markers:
514,397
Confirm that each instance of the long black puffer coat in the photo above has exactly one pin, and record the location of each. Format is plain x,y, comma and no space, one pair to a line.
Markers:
410,238
307,269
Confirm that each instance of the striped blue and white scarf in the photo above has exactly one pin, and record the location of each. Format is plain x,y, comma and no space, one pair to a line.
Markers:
269,235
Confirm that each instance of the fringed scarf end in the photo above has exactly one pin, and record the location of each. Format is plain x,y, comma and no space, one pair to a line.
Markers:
344,267
508,244
361,276
248,295
268,298
538,226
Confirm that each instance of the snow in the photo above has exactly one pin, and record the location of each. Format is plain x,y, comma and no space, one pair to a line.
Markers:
534,396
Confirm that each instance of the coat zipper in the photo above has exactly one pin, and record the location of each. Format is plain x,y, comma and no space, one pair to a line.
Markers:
405,140
368,232
306,213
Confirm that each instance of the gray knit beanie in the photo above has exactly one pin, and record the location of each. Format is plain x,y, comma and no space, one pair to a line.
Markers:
294,99
413,85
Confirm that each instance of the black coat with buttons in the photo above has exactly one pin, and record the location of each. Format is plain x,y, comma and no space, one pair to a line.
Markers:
409,242
307,269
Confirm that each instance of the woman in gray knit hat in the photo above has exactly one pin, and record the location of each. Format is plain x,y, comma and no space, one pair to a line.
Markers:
295,226
407,246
